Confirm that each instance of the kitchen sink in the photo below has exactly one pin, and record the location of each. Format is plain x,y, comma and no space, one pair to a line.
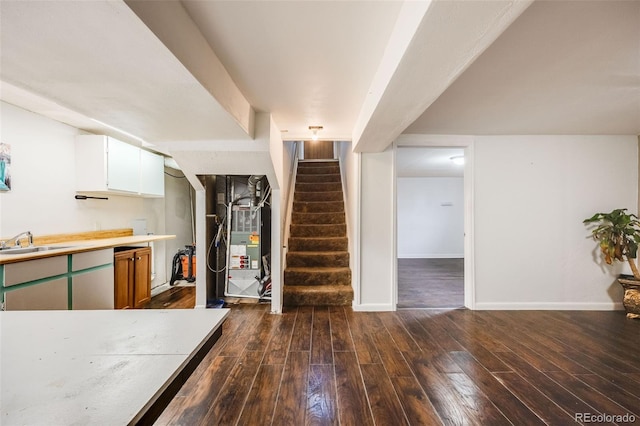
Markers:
24,250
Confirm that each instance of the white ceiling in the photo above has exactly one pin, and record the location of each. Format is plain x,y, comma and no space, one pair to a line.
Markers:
562,67
428,162
308,63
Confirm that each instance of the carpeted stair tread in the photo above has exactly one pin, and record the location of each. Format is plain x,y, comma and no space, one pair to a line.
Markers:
310,276
324,178
318,187
318,196
326,230
326,295
319,171
318,218
318,206
315,259
318,244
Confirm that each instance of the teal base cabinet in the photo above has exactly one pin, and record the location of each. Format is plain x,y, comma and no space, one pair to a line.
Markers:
74,281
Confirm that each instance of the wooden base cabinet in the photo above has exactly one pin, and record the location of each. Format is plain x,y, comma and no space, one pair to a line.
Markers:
132,277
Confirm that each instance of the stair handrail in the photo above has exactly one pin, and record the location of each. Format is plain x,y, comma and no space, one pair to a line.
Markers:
289,206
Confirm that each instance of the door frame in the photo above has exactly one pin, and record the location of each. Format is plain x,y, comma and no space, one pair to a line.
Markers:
443,141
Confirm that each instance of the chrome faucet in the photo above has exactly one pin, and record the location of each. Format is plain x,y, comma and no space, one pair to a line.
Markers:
16,240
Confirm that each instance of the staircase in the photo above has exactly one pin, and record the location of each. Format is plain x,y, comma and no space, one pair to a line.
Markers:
317,271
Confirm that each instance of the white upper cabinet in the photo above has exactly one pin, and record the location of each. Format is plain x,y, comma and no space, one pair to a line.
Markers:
151,174
107,165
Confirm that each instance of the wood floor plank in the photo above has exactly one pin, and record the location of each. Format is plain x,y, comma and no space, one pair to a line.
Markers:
475,345
425,341
291,406
606,387
321,350
385,406
546,347
563,398
262,398
416,405
353,406
502,398
301,340
278,347
592,396
262,332
603,369
402,338
482,409
321,396
391,357
361,335
430,283
340,335
244,333
432,322
446,401
228,406
203,391
541,407
561,363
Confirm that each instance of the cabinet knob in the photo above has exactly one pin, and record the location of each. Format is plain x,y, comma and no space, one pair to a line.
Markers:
132,259
139,257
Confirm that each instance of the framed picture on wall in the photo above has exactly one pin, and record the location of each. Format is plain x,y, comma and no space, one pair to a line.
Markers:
5,167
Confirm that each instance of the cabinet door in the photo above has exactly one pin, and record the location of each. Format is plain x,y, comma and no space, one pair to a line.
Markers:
93,290
123,166
45,296
151,174
142,281
122,277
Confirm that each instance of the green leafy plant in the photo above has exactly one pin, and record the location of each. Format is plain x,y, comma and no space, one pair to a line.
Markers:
618,234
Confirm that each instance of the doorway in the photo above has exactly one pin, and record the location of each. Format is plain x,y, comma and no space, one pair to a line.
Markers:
430,200
318,150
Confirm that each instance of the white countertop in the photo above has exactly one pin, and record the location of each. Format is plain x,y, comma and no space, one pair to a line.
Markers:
93,367
79,246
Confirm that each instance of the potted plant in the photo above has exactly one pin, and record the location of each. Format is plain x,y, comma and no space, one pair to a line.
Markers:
618,234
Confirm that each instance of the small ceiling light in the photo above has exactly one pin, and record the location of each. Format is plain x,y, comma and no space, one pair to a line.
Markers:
314,131
458,160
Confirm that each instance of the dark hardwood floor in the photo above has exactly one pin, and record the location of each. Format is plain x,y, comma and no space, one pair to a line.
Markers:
178,297
430,283
318,366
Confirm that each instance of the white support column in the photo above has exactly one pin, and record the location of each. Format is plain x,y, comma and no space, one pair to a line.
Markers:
201,249
277,277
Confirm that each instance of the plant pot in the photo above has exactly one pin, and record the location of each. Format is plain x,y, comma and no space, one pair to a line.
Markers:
631,300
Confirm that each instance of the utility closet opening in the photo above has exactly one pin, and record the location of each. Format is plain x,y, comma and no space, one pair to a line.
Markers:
430,227
238,238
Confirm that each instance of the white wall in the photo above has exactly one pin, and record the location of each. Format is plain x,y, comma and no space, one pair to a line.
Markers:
430,217
377,233
178,214
43,187
350,170
531,195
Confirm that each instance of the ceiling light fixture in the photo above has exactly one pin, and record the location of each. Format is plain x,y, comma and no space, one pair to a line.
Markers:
458,160
314,131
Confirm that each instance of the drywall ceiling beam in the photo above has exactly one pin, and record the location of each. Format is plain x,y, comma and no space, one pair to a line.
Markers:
432,44
171,23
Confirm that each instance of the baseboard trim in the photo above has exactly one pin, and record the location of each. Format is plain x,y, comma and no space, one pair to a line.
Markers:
549,306
373,307
159,289
431,256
